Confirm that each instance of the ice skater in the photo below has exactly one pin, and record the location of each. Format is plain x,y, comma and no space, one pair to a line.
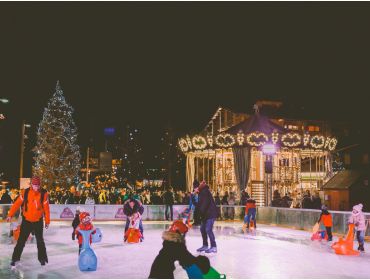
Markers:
250,214
85,224
358,219
35,207
209,213
327,220
75,223
133,234
131,207
174,249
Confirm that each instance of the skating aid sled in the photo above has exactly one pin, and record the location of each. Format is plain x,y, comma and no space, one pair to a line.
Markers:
194,272
87,261
345,247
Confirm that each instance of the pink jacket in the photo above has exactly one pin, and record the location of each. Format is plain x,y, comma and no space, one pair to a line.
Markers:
358,219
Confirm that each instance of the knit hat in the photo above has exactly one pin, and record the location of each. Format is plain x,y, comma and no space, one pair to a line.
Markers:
36,181
195,184
324,208
357,209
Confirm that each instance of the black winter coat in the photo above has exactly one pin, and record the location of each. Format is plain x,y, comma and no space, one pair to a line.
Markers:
128,211
163,265
168,198
206,205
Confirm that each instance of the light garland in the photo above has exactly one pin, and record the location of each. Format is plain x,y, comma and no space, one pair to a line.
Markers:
199,142
240,138
327,142
315,139
332,144
306,139
274,137
225,140
210,140
256,141
183,145
189,141
291,139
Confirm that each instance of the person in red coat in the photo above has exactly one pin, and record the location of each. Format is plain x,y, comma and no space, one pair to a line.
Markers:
85,224
327,220
250,212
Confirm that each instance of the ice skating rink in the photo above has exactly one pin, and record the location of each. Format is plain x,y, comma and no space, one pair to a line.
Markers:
271,253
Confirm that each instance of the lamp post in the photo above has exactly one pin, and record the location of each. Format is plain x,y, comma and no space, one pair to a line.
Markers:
269,150
23,136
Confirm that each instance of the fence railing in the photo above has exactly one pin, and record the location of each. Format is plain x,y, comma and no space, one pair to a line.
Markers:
303,219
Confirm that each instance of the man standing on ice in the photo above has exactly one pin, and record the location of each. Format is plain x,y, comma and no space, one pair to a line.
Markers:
131,207
35,206
209,213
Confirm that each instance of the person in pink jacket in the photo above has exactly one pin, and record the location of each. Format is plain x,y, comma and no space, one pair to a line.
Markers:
358,219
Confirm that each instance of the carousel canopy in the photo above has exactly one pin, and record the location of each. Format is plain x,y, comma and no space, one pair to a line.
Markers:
256,122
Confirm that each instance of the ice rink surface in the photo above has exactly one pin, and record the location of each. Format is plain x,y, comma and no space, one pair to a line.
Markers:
272,252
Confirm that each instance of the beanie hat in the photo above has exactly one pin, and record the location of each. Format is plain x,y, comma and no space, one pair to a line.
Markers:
195,184
324,208
357,209
36,181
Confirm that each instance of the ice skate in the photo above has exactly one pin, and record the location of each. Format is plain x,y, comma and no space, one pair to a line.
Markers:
202,249
211,250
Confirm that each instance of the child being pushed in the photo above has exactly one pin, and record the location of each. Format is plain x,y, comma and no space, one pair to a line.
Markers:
174,249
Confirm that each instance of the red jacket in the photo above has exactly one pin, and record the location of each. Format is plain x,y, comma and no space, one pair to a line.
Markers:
35,210
326,219
84,227
251,203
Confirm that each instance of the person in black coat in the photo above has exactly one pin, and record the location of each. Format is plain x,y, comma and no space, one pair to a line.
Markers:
168,200
174,249
209,213
131,207
75,223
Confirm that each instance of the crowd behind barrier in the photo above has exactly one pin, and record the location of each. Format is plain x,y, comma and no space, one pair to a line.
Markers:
303,219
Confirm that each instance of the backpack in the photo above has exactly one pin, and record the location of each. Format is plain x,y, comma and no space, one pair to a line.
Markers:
25,199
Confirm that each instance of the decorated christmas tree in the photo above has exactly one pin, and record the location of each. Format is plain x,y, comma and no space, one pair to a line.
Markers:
57,156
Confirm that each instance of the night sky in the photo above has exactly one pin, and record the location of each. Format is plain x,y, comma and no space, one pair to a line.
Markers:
150,64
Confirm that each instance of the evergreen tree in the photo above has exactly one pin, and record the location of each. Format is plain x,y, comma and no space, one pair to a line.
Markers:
57,156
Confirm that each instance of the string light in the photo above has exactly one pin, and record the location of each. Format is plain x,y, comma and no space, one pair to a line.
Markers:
332,144
291,139
210,140
327,142
254,139
317,141
183,145
240,138
274,137
225,140
189,141
306,139
199,142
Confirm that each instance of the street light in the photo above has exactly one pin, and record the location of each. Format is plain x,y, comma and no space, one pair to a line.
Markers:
23,136
4,100
269,150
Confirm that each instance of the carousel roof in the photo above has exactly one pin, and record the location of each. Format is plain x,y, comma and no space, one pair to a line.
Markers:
256,122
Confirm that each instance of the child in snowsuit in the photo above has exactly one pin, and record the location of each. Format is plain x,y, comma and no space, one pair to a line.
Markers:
358,219
85,224
327,220
174,249
75,223
250,212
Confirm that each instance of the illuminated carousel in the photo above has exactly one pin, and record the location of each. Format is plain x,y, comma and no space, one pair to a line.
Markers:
259,155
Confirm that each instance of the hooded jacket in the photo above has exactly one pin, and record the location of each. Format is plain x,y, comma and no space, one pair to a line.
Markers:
358,219
174,249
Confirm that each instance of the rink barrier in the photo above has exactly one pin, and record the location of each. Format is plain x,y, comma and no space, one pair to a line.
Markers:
303,219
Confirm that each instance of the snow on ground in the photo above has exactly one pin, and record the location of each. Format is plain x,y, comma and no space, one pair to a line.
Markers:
272,252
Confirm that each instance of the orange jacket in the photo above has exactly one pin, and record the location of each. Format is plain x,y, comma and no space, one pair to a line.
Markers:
35,211
327,220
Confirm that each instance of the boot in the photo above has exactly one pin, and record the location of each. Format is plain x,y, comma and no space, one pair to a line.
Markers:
203,248
211,250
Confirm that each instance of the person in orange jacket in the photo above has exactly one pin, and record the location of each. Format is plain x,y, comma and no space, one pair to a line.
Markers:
35,206
250,212
327,220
